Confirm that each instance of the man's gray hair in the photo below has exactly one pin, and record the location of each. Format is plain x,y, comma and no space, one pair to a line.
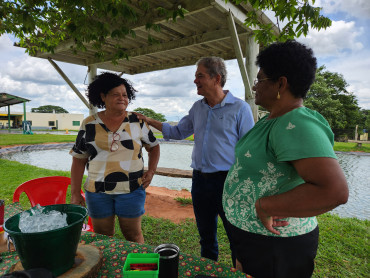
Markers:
214,66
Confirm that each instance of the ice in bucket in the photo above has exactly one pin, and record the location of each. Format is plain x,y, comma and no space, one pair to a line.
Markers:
54,250
36,220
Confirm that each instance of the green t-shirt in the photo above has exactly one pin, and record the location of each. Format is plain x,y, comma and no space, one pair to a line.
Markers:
261,167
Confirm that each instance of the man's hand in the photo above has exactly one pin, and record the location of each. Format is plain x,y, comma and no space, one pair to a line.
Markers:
141,117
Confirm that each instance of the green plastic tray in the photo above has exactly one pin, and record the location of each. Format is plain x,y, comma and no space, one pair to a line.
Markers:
141,258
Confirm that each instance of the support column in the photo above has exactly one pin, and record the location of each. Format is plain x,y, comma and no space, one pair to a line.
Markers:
9,118
92,73
246,75
24,111
251,52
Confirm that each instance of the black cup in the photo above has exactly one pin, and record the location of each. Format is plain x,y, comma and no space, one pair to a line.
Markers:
168,260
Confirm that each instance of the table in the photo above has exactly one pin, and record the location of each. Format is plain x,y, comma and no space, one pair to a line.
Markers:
115,251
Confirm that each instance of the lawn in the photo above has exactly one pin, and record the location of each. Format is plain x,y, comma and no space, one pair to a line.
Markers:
343,249
344,242
18,139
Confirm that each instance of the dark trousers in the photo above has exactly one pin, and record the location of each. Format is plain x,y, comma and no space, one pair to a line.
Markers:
276,257
206,193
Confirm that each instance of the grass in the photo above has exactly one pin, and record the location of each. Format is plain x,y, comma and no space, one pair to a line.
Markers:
159,135
19,139
184,201
351,147
344,242
343,249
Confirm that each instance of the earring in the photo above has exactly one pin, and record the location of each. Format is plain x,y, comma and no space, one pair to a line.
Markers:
278,95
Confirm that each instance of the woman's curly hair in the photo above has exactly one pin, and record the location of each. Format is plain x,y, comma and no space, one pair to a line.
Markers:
105,82
291,59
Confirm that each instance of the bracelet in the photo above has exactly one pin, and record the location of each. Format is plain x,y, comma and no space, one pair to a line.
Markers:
259,205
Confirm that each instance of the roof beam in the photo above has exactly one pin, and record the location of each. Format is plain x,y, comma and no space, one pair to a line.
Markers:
171,63
172,45
192,6
224,7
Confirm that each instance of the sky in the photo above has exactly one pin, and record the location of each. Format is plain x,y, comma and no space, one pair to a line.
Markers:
343,48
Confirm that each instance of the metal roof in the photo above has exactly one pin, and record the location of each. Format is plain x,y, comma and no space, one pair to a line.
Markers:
203,32
8,99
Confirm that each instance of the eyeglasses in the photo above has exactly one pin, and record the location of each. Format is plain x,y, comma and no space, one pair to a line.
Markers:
256,81
114,146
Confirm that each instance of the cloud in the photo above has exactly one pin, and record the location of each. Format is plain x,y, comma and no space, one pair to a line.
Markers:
6,46
355,8
32,70
340,50
176,82
340,38
355,70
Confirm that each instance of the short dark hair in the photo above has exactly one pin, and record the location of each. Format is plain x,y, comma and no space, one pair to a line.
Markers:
105,82
291,59
214,66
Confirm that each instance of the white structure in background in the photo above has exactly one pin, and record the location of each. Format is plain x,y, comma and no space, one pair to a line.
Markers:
43,120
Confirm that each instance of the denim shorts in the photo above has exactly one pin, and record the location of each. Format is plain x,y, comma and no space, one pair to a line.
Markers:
130,205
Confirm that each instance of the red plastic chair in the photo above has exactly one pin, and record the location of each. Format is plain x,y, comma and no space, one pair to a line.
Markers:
47,191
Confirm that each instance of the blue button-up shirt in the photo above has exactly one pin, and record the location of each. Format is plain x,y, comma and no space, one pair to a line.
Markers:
216,131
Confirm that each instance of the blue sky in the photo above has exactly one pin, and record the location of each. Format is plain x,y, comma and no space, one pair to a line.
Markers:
343,48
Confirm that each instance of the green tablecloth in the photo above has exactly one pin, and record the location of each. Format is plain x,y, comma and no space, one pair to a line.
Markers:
115,252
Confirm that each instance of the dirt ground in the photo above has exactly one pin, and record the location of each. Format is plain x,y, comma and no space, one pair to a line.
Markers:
160,203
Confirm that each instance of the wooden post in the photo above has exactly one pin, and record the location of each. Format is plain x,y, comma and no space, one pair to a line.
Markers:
251,52
92,73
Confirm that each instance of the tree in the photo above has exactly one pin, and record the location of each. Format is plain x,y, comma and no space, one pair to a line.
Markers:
42,25
320,98
298,15
366,119
49,109
151,114
328,95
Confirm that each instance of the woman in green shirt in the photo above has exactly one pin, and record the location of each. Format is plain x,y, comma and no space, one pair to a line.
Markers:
285,171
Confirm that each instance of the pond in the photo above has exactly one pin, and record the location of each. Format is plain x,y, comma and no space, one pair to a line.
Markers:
355,166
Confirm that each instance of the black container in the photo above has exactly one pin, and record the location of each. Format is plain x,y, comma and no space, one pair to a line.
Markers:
168,260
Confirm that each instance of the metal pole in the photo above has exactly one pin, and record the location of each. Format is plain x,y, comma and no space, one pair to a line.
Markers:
9,118
24,111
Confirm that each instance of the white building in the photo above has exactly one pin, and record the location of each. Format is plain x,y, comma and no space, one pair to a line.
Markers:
43,120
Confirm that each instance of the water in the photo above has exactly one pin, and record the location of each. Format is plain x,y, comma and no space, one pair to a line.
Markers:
355,167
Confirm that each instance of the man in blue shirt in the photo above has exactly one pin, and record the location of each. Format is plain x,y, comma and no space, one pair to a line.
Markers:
217,121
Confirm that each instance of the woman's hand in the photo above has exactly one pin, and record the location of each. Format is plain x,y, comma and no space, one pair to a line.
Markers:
269,221
77,199
153,158
147,178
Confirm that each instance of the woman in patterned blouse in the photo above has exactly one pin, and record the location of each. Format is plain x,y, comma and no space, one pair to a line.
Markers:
285,171
109,144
